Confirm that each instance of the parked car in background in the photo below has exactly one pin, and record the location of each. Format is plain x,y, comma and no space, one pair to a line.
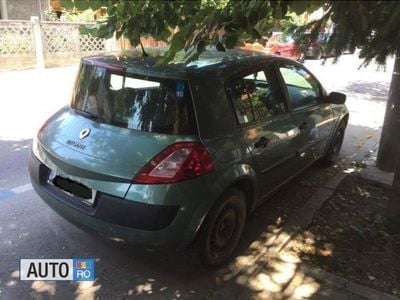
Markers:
279,44
180,154
254,47
283,44
318,47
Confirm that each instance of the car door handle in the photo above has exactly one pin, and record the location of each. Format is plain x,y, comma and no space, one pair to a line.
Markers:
262,142
303,126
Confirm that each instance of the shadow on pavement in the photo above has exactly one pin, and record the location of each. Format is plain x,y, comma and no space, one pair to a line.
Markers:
13,158
374,91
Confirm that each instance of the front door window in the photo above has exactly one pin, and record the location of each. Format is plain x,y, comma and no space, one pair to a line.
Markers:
303,89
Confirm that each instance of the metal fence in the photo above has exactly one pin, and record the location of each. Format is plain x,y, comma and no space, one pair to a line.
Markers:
29,43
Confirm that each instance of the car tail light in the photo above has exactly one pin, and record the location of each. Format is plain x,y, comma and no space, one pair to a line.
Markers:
178,162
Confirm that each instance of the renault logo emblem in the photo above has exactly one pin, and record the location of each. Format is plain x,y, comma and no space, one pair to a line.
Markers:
84,133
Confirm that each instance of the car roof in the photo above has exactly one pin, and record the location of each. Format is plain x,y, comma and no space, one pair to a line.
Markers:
210,61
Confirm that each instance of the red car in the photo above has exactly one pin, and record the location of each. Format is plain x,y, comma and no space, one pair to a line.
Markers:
283,44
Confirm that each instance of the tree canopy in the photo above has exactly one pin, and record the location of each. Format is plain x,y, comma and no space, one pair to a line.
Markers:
194,25
372,26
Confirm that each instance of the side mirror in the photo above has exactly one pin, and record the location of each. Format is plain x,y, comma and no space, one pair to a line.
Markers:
336,98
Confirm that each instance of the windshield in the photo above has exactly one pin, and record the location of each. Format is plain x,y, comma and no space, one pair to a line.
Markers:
136,102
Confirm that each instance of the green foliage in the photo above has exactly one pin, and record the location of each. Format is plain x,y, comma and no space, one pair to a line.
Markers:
82,5
74,16
188,25
194,25
372,26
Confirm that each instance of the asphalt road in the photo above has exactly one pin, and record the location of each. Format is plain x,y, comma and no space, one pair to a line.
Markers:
29,229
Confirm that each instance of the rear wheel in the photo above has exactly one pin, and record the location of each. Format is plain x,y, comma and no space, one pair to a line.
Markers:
222,229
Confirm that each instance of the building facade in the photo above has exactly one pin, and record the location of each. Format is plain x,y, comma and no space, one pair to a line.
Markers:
23,9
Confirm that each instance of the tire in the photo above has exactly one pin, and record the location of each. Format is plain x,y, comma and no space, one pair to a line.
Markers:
301,58
222,229
317,53
332,154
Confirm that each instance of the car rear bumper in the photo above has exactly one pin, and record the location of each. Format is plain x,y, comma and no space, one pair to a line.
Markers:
118,218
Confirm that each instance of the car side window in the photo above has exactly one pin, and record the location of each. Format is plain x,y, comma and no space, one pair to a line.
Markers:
303,89
241,102
254,97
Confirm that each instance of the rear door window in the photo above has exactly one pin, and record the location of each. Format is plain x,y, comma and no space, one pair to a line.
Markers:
255,97
241,101
136,102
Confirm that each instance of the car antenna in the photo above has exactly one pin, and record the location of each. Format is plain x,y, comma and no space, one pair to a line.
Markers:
143,52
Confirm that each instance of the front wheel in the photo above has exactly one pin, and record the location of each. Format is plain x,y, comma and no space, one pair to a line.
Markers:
332,154
318,53
222,229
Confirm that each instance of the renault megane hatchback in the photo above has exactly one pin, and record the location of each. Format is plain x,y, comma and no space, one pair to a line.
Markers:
181,153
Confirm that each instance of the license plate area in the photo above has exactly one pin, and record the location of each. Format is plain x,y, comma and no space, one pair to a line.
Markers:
73,188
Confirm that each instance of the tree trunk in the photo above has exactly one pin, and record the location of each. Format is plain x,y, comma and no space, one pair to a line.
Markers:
393,209
389,147
396,181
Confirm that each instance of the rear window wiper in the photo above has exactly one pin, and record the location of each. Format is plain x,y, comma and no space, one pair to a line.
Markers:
89,115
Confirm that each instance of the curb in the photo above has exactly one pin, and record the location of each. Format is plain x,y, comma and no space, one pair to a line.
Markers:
371,144
371,171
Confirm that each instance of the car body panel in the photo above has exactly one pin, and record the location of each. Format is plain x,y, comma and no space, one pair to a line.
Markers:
274,161
108,158
193,199
313,139
109,150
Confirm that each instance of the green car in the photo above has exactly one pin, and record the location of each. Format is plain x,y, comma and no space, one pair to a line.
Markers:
176,154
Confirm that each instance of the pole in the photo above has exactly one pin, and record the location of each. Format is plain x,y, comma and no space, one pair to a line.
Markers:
37,37
4,11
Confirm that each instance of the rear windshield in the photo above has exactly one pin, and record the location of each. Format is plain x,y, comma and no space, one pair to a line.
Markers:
141,103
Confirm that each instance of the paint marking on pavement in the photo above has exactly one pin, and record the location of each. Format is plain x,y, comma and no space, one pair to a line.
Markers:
22,188
6,194
15,191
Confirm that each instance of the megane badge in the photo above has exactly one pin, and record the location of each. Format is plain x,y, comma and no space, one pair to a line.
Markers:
84,133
